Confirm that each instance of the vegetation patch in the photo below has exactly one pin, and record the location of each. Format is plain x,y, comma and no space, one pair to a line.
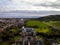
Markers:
38,26
55,24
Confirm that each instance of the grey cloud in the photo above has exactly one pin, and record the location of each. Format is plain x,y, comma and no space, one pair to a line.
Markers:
49,4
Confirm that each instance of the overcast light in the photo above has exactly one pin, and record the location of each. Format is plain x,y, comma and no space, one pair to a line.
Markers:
7,5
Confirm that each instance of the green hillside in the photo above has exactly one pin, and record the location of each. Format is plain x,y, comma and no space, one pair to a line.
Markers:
50,18
46,29
55,24
38,26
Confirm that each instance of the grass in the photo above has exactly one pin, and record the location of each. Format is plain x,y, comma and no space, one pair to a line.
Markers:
38,26
55,24
15,30
5,43
36,23
42,30
17,38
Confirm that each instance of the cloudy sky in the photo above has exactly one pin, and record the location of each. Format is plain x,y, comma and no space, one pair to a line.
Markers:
7,5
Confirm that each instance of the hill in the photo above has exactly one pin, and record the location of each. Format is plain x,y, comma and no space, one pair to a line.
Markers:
50,18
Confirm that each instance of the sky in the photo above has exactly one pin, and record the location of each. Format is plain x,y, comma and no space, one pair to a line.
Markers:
35,5
26,8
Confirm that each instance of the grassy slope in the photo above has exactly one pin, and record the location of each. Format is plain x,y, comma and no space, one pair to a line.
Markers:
55,24
50,18
44,27
41,27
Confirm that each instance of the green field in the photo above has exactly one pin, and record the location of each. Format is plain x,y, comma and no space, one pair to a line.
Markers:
55,24
38,26
49,28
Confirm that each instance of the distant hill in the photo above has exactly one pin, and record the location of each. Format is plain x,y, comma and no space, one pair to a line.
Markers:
50,18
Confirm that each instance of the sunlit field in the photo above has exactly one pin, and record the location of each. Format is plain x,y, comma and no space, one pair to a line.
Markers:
38,26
